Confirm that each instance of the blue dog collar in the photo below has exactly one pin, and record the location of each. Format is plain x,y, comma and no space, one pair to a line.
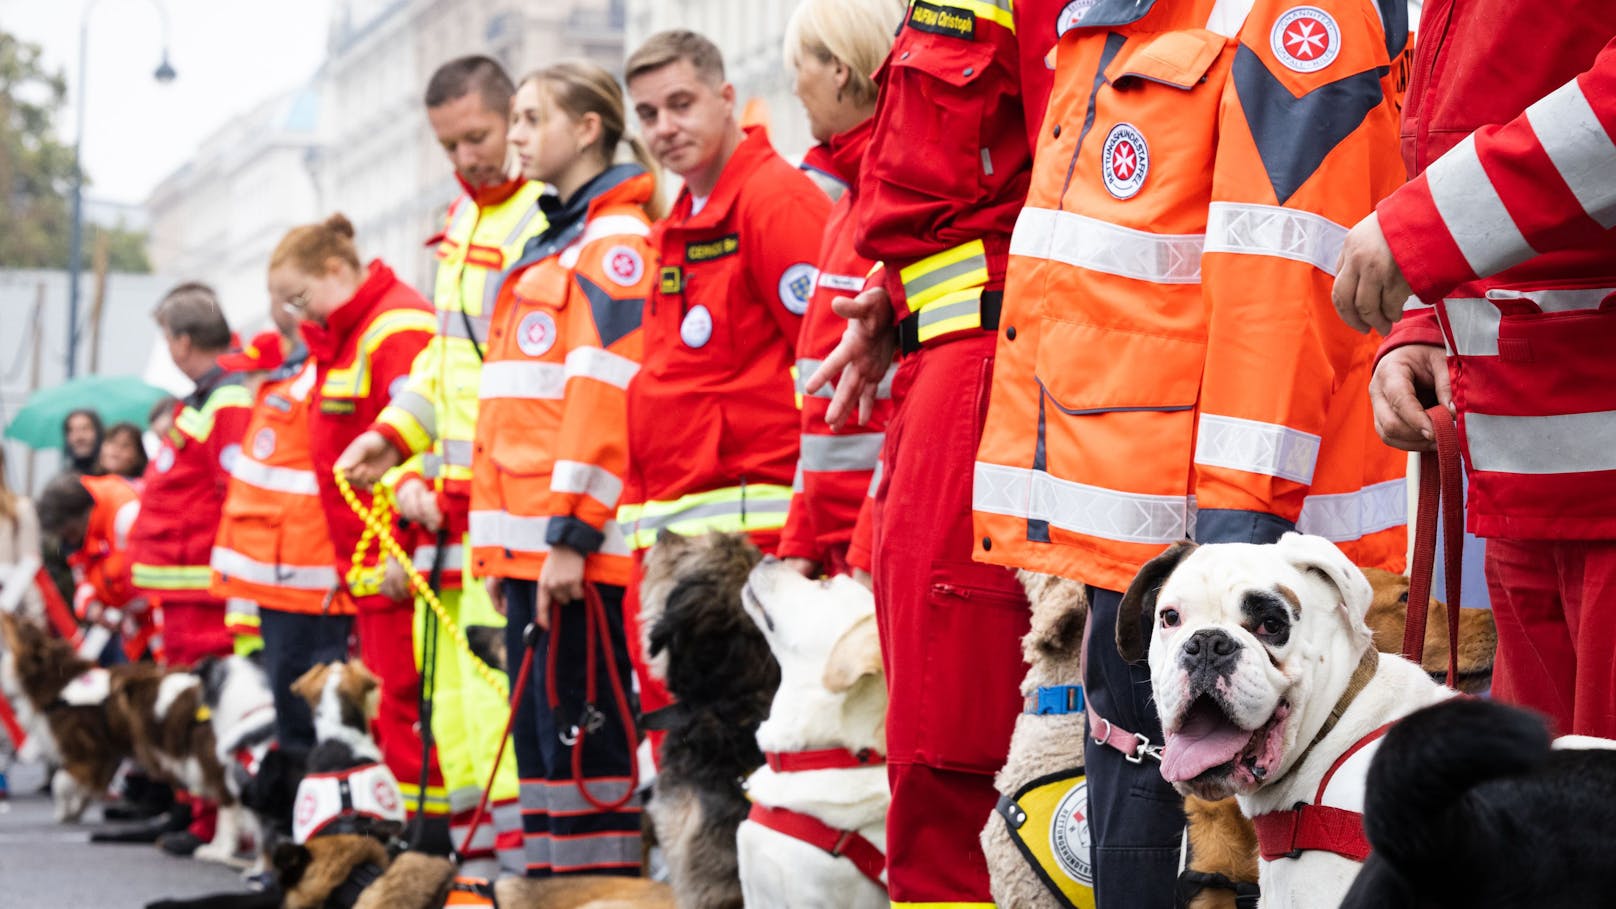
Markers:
1055,700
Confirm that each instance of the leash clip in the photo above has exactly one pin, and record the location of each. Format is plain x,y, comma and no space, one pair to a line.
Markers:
1145,750
592,721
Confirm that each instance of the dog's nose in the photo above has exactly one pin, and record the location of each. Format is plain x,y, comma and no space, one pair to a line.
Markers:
1210,649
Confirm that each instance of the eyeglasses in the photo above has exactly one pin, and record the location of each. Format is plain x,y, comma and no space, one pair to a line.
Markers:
296,303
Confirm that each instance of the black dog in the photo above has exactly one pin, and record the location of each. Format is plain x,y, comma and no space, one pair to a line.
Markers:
1468,806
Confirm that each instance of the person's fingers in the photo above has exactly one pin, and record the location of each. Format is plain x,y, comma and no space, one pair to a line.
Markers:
867,403
1343,295
1392,300
1441,382
1366,302
1399,416
835,362
541,609
857,306
496,594
845,401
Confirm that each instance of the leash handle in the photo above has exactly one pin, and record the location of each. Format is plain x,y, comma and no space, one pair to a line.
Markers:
1441,492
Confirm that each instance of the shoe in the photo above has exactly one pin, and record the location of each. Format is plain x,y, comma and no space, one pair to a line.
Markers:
179,842
131,811
175,819
5,787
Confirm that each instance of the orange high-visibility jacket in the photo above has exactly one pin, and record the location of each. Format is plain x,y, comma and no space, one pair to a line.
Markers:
1169,364
102,561
552,425
273,546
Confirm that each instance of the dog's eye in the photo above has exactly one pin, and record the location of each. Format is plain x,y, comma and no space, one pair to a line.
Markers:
1271,626
1169,618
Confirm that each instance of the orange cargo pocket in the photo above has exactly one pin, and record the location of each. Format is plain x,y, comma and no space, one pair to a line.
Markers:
975,618
1087,368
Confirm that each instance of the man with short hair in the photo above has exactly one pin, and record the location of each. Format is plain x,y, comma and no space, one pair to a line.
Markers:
172,539
712,419
435,416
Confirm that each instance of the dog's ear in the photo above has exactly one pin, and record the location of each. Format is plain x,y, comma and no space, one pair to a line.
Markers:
1060,610
1316,554
290,861
856,654
1136,617
311,684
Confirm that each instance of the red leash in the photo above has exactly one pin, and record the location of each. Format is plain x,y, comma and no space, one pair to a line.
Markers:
1441,492
529,635
596,638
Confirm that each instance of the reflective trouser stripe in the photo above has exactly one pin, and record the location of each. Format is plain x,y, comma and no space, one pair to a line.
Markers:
822,454
735,509
508,838
1562,443
582,851
172,577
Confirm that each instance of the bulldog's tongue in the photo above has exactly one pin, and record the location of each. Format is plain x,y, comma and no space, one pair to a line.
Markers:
1206,739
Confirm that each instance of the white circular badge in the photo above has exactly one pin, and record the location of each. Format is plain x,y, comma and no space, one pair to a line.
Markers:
1069,834
165,459
1305,39
697,328
1071,15
536,333
623,266
1124,161
796,286
263,444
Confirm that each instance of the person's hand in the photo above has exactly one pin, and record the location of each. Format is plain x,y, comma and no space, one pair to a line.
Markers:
1370,289
367,457
496,593
419,503
395,583
808,568
561,580
1407,381
861,358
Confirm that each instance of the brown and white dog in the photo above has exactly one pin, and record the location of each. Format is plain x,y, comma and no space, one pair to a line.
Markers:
1270,689
816,835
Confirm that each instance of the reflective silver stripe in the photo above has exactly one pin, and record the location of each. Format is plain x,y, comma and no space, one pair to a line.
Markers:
1475,321
753,507
1581,150
601,365
1565,443
875,477
302,577
416,405
452,323
806,369
275,479
524,379
1353,515
457,452
239,608
578,478
1085,242
1266,448
848,283
521,226
454,558
1080,508
583,851
613,226
841,452
934,315
562,797
528,534
796,479
1271,230
1472,212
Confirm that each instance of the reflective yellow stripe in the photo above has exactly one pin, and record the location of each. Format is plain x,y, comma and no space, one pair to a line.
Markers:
796,383
354,381
198,423
957,311
172,577
735,509
1002,12
964,266
437,798
247,644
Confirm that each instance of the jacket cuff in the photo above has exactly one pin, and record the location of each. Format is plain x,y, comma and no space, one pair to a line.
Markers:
1417,327
394,438
566,530
1425,251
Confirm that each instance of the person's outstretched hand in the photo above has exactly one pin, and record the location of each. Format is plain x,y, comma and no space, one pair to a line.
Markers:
366,458
861,359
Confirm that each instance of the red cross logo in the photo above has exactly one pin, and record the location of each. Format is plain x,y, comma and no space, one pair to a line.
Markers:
1307,39
1125,160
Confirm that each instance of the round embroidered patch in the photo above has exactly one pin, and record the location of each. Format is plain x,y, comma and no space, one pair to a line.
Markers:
386,792
536,333
697,328
623,266
1305,39
1124,161
796,286
307,804
1071,15
1069,834
263,444
165,458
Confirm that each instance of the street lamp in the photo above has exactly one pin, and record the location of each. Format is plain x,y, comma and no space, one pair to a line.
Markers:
164,74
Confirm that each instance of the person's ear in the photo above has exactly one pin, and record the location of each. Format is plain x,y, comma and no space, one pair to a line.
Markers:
587,129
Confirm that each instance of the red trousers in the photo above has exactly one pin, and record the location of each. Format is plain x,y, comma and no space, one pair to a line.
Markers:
1555,606
193,630
387,647
951,630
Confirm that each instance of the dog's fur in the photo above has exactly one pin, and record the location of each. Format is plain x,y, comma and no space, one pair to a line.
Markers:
1469,806
417,881
1478,636
832,694
1250,649
718,667
241,710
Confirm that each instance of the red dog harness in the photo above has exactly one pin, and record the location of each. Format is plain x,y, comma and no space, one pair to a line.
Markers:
1333,821
848,844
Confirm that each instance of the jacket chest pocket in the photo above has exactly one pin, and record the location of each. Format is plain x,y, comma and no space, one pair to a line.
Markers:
701,321
946,77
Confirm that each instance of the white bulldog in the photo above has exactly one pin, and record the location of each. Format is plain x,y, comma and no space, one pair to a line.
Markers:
1264,675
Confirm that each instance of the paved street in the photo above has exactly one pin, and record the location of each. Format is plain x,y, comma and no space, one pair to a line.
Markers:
44,864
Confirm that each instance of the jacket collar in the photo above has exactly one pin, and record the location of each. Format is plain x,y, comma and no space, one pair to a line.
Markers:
210,380
621,184
750,154
847,150
486,196
326,342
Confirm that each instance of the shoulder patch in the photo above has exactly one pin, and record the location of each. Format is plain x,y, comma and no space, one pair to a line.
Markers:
536,333
797,286
708,250
1305,39
623,266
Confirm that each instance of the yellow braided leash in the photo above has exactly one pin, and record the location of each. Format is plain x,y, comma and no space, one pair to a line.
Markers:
364,582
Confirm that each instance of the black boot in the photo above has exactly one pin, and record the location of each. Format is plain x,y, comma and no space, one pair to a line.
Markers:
177,817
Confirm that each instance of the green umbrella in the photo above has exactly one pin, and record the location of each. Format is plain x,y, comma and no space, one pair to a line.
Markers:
116,398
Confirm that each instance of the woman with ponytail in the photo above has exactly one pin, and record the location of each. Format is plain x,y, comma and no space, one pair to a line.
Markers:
551,453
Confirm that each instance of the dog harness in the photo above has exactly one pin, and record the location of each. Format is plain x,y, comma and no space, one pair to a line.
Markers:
1048,821
344,801
849,844
466,891
1333,821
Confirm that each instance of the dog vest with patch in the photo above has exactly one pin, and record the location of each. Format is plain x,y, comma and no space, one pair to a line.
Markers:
332,802
1333,821
1048,821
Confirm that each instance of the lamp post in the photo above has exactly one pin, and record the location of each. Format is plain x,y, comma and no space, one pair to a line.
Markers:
163,74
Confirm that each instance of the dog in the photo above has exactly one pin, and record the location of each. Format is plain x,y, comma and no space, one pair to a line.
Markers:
816,836
717,665
1265,674
1470,805
241,709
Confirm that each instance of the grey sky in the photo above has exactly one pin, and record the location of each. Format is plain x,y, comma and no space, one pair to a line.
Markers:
229,55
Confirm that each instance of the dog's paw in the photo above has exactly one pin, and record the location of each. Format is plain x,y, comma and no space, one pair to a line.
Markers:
220,852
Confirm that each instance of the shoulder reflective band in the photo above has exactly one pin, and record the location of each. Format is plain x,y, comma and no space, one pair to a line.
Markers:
1048,821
